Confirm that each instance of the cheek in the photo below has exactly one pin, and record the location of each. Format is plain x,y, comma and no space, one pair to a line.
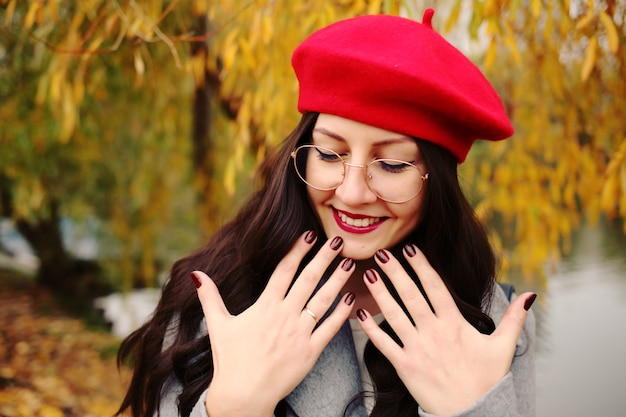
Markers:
410,214
317,198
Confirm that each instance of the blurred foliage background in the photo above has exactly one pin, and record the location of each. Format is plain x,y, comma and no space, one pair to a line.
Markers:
151,116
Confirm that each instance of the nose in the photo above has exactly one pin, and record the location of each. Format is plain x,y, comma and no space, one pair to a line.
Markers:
354,190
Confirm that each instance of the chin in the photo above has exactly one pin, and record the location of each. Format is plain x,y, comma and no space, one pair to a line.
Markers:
358,253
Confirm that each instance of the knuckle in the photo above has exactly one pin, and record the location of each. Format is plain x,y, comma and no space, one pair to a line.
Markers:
308,277
412,295
325,298
394,315
288,265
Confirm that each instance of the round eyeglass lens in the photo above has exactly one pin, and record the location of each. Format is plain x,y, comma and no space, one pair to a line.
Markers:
320,168
393,180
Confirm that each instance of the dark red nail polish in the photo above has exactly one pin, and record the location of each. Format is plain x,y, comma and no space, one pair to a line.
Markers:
382,256
410,250
361,314
347,264
336,243
370,275
529,301
310,236
196,279
349,298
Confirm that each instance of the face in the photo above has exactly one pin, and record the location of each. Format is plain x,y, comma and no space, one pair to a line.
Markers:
352,210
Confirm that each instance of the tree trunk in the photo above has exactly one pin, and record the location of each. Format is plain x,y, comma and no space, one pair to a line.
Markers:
44,236
58,270
203,146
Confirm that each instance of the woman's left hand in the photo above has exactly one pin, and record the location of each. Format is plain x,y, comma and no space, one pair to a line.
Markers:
446,364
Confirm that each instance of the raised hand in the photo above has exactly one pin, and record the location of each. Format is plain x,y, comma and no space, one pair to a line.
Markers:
262,354
445,363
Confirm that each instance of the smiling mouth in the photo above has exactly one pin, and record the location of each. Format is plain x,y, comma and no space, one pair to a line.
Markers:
361,221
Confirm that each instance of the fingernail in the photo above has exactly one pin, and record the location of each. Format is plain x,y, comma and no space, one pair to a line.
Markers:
371,276
409,248
381,255
347,264
349,298
196,279
361,314
310,236
336,243
529,301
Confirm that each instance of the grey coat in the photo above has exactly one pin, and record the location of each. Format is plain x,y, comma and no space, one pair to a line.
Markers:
335,379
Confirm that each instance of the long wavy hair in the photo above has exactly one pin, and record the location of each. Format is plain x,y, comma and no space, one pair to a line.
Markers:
242,255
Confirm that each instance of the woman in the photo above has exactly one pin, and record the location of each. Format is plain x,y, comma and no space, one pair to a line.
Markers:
360,216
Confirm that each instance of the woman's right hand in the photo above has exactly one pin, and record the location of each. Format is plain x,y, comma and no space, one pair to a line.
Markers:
262,354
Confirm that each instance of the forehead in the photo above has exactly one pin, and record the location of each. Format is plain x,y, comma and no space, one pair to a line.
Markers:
353,133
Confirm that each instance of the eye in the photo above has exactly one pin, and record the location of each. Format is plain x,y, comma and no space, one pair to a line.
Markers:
327,155
392,166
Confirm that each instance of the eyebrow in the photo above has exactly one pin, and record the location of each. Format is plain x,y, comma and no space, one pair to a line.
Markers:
401,139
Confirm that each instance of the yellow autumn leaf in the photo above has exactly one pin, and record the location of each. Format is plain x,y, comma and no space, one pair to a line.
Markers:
31,14
79,82
374,6
392,7
53,10
267,29
9,12
509,40
490,55
229,177
56,85
94,43
69,114
611,31
109,24
42,89
608,198
200,7
229,49
140,66
587,18
453,16
589,60
535,7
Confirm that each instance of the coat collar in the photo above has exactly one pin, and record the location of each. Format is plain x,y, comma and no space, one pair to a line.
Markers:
332,383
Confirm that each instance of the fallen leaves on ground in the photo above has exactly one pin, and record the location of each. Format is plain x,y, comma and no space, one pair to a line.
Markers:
51,365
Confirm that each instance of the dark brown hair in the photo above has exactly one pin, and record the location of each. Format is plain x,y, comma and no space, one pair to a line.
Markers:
242,255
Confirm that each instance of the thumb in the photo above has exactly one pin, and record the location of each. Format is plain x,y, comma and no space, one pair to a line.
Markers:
512,322
210,298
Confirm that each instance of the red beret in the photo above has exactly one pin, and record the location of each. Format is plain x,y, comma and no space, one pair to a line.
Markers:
399,75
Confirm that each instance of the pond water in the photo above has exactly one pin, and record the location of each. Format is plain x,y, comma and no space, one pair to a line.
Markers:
581,327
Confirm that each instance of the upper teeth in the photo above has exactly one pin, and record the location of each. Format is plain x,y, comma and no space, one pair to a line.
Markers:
358,222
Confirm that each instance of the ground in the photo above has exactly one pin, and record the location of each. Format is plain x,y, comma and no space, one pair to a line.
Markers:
52,363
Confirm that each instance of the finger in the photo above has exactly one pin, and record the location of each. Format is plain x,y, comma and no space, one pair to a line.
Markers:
329,328
387,346
512,323
213,306
433,285
311,275
327,294
408,290
395,316
283,275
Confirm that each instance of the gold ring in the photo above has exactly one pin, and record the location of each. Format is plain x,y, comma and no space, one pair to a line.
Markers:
312,314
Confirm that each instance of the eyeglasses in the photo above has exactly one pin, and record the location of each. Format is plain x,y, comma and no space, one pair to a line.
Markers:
390,179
